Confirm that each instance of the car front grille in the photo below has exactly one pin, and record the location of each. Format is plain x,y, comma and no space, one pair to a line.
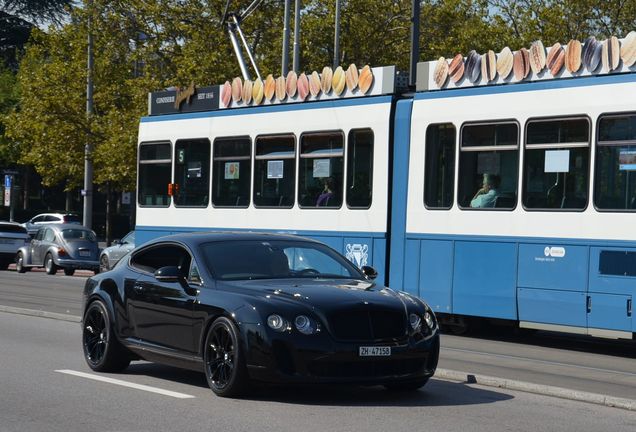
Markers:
375,324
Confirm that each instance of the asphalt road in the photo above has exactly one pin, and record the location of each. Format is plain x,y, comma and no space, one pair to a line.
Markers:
577,363
44,389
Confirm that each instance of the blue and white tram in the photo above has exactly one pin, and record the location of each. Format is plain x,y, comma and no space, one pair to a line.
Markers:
318,169
506,200
556,249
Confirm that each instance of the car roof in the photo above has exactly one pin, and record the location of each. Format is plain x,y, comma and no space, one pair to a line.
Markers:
211,236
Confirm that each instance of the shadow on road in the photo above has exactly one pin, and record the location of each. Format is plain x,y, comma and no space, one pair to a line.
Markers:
435,393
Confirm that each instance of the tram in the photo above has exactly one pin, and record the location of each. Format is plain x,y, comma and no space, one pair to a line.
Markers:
501,194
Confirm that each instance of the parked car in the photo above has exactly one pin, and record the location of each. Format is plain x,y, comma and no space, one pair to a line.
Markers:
33,224
254,306
112,254
66,246
12,237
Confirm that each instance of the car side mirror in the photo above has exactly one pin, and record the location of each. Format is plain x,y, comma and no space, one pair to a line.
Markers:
116,242
369,272
168,274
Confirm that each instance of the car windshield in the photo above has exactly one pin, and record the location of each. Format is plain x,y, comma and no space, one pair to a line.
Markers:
275,259
78,235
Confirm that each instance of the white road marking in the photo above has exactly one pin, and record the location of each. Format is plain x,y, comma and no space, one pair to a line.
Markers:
126,384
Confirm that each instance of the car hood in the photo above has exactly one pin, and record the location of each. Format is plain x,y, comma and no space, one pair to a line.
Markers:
323,294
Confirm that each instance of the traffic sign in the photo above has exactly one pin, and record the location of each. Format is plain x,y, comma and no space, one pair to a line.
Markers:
7,197
7,181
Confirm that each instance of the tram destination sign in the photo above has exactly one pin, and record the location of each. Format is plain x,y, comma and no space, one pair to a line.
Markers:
183,100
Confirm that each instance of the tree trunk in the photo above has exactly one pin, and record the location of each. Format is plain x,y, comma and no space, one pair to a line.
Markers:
108,202
69,201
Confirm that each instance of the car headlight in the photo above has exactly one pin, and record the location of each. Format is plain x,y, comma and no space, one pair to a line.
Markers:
277,322
415,321
306,325
428,317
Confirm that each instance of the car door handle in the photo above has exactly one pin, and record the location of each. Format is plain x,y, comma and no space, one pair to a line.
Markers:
629,307
138,288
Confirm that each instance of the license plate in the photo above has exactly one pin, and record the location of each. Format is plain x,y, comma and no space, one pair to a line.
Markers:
85,253
374,351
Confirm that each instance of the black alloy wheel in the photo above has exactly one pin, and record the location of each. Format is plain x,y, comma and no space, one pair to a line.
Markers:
19,263
69,271
49,264
103,264
225,368
102,350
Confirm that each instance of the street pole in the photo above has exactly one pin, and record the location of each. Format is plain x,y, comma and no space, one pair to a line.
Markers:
296,65
336,39
415,41
88,148
285,60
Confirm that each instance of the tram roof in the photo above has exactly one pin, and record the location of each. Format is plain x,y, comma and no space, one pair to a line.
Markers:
576,59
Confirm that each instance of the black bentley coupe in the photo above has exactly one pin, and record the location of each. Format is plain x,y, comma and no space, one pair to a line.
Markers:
251,306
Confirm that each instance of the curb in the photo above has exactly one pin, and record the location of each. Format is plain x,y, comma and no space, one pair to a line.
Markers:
546,390
446,374
40,313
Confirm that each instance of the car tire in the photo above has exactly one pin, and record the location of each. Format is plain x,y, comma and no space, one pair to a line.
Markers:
19,263
49,264
406,386
102,351
224,361
103,264
69,271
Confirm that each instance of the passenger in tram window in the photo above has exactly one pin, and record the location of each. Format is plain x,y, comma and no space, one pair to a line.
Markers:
487,195
327,193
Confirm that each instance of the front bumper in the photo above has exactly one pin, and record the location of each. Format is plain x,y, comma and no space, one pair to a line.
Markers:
319,359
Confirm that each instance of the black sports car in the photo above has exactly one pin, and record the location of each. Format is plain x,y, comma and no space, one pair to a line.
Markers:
265,307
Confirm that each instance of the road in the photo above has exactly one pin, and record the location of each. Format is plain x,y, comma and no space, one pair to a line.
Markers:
46,386
577,363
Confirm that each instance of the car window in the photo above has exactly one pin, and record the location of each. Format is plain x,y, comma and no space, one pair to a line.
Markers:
49,235
72,219
256,259
154,257
129,238
40,234
51,218
9,228
78,235
37,219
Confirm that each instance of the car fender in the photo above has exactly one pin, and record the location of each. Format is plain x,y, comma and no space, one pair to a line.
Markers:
26,254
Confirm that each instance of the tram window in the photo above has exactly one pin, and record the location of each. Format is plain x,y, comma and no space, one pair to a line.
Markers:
192,173
556,164
439,166
615,173
488,165
155,165
360,168
320,169
275,171
231,172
